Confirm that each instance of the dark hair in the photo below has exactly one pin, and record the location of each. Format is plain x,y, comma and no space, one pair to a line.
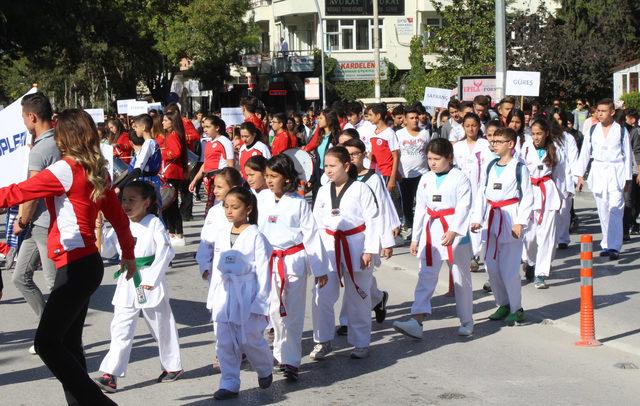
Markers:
133,137
145,120
453,104
355,143
466,105
508,99
398,110
354,108
256,163
231,176
520,114
172,107
247,197
38,104
176,123
342,154
147,191
631,113
419,108
118,124
247,126
412,110
445,113
609,102
441,147
333,124
379,109
250,104
471,116
507,133
481,100
493,123
283,165
550,145
280,117
351,132
217,122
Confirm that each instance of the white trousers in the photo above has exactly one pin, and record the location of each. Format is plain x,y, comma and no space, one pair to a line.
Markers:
123,327
287,343
563,221
476,243
358,309
376,298
540,242
428,279
229,350
504,273
610,206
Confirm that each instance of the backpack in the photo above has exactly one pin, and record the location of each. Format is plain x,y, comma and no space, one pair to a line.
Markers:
519,166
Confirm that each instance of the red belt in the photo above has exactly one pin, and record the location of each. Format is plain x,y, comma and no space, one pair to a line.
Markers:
433,215
340,237
540,183
497,206
280,254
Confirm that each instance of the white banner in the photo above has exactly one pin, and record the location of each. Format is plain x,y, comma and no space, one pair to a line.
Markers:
107,153
96,114
522,83
435,97
232,115
312,89
157,106
123,105
14,144
136,108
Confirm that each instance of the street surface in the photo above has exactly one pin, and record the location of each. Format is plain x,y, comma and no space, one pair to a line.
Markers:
531,364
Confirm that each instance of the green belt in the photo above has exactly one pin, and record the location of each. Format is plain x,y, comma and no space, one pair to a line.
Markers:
140,262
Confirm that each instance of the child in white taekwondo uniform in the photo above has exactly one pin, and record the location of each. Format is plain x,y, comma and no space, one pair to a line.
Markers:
286,221
239,294
546,162
147,292
441,233
608,148
390,222
505,202
470,154
347,216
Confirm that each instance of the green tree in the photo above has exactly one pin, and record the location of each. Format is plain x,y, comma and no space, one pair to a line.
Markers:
416,79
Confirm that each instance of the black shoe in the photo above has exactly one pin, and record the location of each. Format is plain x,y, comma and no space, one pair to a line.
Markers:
614,255
342,331
487,287
626,237
635,229
223,394
575,224
167,376
381,308
605,253
529,272
290,372
265,382
563,246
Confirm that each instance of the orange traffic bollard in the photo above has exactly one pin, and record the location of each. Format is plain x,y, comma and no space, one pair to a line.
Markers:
587,324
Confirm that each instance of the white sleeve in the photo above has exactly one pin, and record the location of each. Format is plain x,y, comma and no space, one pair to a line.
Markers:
109,246
372,221
163,256
143,156
262,255
420,211
460,222
266,152
228,148
394,145
580,166
628,157
312,243
387,213
478,206
525,207
204,254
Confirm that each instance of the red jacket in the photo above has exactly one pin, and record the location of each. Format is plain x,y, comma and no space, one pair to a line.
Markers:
191,134
172,158
123,148
315,140
67,192
253,119
282,142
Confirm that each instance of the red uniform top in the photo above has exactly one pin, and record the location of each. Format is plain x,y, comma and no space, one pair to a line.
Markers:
67,192
283,141
257,148
172,158
382,144
190,133
216,153
315,140
123,148
253,119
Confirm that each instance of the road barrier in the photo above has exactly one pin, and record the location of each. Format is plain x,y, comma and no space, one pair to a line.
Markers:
587,324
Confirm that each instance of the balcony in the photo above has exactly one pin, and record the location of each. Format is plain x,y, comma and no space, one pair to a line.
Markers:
274,63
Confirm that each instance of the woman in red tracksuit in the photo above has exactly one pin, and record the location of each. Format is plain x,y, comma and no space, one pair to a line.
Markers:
283,139
122,147
75,189
174,171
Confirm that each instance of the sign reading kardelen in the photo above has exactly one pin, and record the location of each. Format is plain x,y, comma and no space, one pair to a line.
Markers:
312,89
522,83
435,97
363,7
358,70
472,86
14,137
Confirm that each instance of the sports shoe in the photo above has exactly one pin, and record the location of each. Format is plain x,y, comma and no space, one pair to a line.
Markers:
466,329
107,383
474,266
381,308
342,330
529,272
501,313
223,394
178,242
514,318
614,255
32,350
563,246
360,353
167,376
265,382
406,233
487,287
409,328
539,283
290,372
605,253
320,351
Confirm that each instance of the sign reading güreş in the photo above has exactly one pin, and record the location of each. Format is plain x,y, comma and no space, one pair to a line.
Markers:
358,70
363,7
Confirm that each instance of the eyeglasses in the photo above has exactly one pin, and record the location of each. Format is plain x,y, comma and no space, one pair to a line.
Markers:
580,104
498,141
355,154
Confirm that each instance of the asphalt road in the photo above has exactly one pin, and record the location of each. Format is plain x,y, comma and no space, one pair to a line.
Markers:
534,363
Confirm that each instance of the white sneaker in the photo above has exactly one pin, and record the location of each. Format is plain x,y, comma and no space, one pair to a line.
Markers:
466,329
320,351
32,350
178,242
360,353
410,328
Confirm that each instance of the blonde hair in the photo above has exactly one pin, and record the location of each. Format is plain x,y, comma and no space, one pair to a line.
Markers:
77,138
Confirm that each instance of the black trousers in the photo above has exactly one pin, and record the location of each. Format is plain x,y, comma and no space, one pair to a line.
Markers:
396,196
172,214
59,336
631,205
408,190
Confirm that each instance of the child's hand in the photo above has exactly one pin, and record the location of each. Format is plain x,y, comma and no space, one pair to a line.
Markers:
321,281
448,237
414,248
365,261
387,252
475,227
147,287
516,231
205,276
580,184
130,266
396,231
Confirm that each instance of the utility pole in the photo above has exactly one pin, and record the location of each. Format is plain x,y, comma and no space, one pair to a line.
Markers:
501,52
376,51
324,88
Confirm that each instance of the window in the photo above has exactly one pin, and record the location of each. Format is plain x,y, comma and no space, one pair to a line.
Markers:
633,81
625,89
351,34
265,43
431,27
